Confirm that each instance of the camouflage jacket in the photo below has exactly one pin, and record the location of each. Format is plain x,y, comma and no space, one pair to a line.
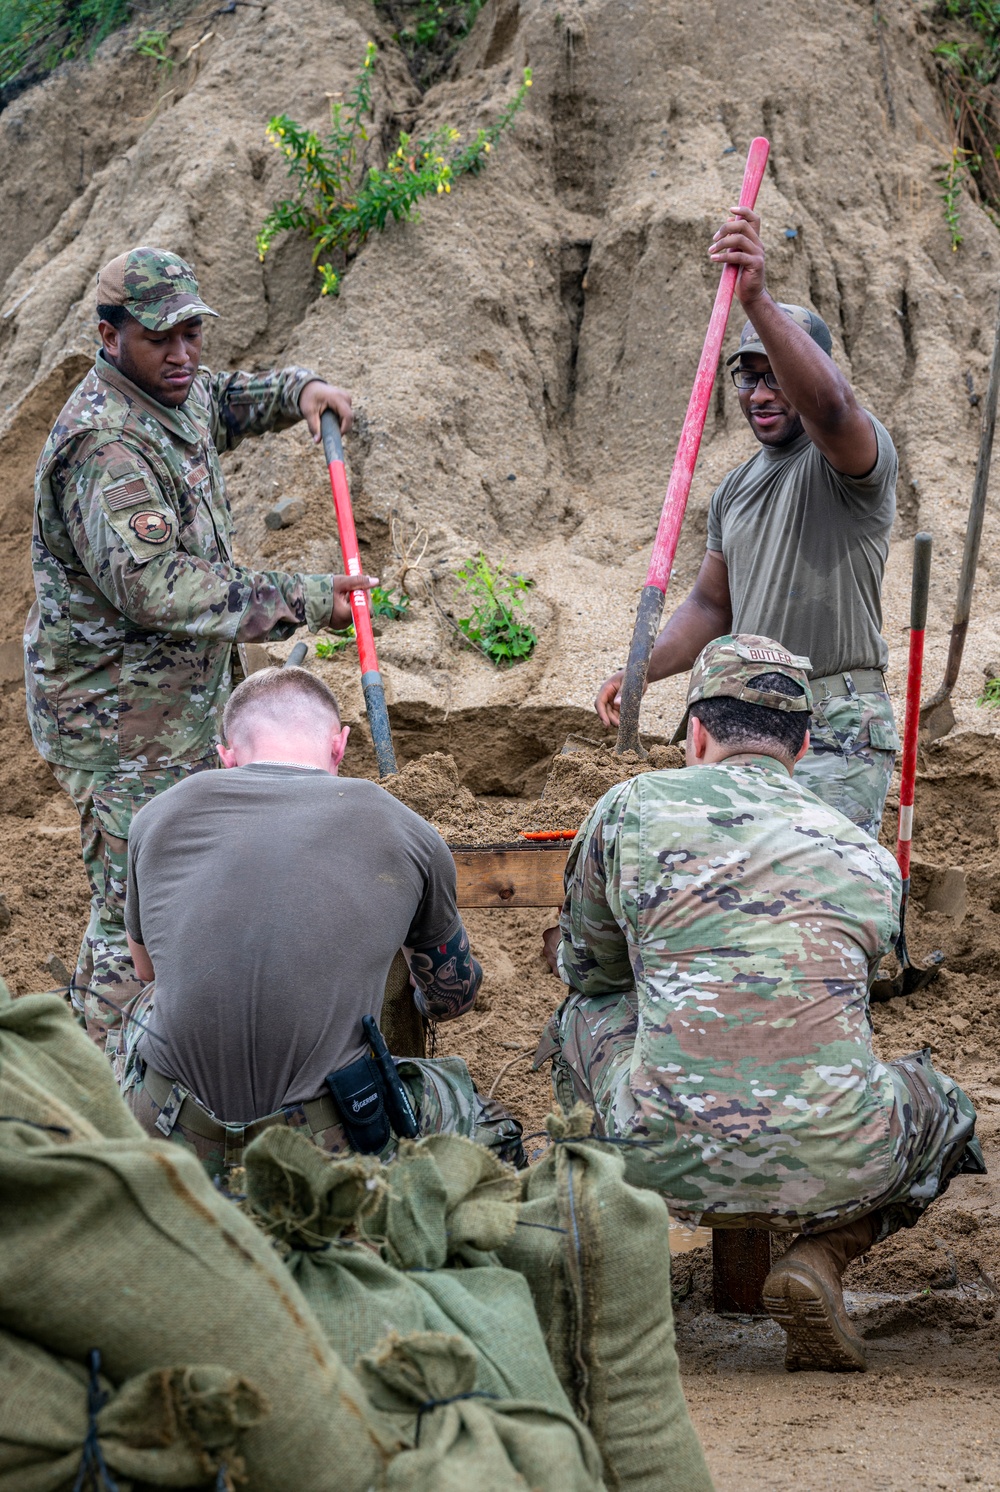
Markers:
138,600
740,919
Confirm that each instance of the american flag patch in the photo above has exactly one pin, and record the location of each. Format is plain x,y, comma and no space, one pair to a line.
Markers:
126,494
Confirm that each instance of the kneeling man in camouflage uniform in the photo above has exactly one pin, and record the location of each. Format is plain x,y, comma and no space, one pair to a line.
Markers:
720,931
267,902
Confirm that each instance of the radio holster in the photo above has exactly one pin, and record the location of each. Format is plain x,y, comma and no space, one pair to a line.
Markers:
359,1094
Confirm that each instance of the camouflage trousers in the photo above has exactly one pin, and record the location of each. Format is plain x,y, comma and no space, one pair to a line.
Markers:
444,1097
105,981
852,751
932,1123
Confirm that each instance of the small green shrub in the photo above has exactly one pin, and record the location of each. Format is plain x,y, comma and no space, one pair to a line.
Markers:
990,694
429,32
392,604
153,44
36,35
339,201
968,72
495,625
386,603
329,647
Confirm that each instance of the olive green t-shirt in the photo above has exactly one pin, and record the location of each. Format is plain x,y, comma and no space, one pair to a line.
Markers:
271,900
806,549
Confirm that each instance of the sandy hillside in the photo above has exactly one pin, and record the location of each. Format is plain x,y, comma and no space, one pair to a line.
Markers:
520,361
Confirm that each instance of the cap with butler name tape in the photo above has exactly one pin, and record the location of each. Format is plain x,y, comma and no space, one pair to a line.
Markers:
725,667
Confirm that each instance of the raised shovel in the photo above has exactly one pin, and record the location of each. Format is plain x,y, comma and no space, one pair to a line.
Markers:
910,978
937,716
650,608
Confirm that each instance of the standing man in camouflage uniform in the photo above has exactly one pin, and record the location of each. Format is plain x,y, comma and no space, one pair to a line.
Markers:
798,538
720,930
139,601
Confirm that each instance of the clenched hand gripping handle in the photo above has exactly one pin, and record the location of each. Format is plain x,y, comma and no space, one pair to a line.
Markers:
647,617
371,678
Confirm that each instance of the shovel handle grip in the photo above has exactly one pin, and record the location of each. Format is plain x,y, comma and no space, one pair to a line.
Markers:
921,583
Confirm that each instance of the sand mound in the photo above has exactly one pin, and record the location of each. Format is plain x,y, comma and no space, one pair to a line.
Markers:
521,358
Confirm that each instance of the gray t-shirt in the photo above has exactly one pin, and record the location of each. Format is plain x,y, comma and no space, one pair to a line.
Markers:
271,900
806,550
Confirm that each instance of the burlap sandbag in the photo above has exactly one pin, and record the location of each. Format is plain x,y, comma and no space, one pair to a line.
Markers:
50,1074
174,1427
595,1252
463,1440
443,1201
125,1246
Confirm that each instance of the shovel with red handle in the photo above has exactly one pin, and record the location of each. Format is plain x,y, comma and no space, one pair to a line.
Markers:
650,608
371,678
910,978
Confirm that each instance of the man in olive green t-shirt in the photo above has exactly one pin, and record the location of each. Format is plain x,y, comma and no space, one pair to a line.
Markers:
265,906
798,537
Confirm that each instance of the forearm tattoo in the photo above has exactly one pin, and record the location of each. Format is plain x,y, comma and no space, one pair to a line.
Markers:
448,977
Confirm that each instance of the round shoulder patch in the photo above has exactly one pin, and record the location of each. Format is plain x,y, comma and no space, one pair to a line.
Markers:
151,527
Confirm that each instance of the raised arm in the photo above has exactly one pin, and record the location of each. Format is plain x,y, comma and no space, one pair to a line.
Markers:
706,613
809,379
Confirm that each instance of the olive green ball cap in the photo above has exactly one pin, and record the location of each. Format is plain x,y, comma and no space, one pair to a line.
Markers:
726,666
802,316
158,288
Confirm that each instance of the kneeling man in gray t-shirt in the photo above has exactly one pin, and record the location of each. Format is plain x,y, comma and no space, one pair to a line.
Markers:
266,904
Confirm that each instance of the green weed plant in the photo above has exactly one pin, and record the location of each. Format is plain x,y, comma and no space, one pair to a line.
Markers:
384,603
153,44
496,625
429,32
37,35
339,200
968,72
990,694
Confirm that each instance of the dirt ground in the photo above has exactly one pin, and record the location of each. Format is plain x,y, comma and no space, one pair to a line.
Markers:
520,360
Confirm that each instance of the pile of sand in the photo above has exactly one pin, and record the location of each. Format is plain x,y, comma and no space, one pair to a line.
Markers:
521,358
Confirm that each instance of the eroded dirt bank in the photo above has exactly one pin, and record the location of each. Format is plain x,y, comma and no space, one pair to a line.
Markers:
520,360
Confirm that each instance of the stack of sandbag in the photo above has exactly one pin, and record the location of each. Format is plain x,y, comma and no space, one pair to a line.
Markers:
122,1246
595,1253
176,1427
407,1248
50,1074
463,1438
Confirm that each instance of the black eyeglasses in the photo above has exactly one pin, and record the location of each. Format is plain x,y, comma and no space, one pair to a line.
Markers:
746,378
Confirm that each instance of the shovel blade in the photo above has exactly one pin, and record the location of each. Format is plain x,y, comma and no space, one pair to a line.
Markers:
907,981
937,718
914,978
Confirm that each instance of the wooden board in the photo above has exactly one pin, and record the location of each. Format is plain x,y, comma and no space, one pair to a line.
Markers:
511,875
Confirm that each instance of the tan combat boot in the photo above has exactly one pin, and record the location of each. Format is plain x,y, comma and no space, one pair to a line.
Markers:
804,1294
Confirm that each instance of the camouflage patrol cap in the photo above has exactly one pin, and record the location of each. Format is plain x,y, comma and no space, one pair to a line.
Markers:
726,666
802,316
157,288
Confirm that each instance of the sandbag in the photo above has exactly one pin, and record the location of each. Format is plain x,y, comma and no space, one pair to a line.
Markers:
124,1246
51,1074
464,1440
420,1256
595,1252
172,1427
